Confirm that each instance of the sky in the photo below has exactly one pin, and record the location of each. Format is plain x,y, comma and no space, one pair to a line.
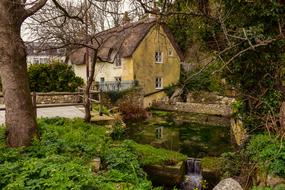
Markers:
27,36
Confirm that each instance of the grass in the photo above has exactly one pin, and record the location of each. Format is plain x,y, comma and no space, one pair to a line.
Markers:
149,155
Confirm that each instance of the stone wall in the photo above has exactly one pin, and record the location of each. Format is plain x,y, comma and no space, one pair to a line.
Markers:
54,99
134,96
211,109
208,98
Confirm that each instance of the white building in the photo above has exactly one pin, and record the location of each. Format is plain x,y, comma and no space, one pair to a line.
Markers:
37,54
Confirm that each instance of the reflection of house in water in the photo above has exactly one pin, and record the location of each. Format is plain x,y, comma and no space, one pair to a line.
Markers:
159,132
162,137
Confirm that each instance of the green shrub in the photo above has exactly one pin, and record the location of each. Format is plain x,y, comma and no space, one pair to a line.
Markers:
52,172
55,76
116,95
269,153
60,159
203,81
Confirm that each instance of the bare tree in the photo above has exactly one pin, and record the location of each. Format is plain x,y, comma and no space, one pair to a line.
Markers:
53,27
20,116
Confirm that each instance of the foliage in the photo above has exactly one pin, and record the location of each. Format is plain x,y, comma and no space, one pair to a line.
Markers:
269,153
212,163
116,95
104,110
203,81
118,130
170,90
56,161
257,72
132,111
160,113
234,163
149,155
51,172
189,29
55,76
60,159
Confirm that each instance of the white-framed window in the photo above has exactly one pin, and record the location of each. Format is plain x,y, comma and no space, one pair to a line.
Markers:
36,61
118,61
170,51
158,83
158,57
46,60
118,79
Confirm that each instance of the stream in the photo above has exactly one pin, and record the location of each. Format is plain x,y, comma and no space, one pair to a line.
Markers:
195,135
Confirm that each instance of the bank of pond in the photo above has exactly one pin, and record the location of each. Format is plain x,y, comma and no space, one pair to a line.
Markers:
167,151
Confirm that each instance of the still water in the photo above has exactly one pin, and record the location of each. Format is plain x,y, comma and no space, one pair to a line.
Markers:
195,135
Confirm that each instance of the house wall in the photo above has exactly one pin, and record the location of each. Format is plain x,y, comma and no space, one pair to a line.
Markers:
146,69
110,71
80,71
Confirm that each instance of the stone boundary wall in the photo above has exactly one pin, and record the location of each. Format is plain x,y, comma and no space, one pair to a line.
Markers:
133,96
54,99
211,109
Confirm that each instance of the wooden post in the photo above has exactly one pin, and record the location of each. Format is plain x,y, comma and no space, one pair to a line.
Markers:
34,101
100,103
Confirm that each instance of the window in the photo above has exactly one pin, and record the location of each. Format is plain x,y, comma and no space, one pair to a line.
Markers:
42,60
118,79
102,80
158,83
118,62
158,57
36,61
46,60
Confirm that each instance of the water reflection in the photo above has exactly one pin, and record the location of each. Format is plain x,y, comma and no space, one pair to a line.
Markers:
178,132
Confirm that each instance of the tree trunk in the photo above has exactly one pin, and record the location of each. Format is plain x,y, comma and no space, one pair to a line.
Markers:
20,118
87,102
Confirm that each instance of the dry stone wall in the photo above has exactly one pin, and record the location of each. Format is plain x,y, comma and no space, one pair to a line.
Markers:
54,99
211,109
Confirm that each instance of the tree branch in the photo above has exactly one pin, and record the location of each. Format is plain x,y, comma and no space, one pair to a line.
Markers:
65,11
34,8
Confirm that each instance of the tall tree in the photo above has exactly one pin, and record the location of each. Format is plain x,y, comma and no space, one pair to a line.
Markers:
20,117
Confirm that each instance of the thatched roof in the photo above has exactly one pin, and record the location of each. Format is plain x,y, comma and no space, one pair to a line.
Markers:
122,40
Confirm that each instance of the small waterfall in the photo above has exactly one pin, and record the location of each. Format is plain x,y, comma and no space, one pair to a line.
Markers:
193,177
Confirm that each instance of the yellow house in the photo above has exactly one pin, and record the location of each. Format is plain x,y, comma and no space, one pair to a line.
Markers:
143,51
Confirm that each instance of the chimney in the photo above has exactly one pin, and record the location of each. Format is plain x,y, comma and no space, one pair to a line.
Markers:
155,10
126,18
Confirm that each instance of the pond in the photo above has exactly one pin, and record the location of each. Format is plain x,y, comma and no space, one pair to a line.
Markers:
195,135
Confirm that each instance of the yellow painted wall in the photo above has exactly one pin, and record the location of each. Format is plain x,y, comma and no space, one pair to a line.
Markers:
109,71
145,68
147,102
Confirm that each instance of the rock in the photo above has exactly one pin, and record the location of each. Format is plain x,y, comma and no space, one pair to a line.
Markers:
228,184
273,181
239,131
166,175
96,163
176,96
190,97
